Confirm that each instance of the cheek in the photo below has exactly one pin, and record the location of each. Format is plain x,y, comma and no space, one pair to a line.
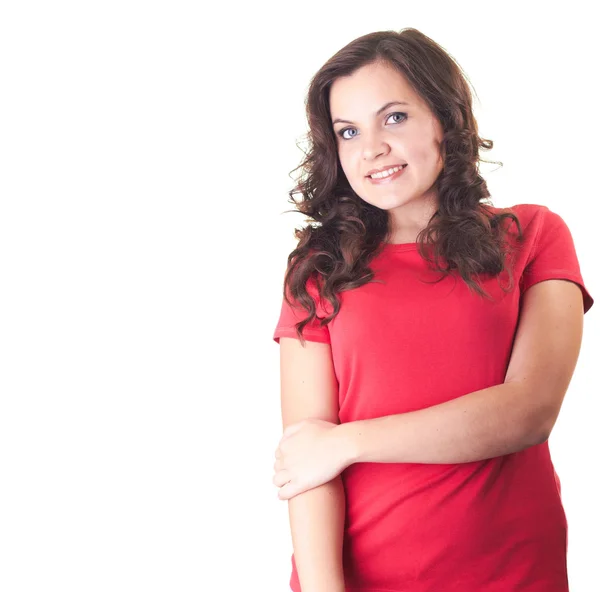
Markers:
350,163
427,154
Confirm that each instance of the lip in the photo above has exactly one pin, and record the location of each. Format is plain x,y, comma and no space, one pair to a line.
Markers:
385,168
389,179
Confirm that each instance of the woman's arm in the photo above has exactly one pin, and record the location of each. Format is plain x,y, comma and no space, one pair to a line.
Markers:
309,389
317,525
498,420
488,423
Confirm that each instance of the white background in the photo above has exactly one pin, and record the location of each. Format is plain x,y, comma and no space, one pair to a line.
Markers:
145,152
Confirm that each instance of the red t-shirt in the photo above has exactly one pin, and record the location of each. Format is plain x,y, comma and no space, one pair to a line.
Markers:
495,525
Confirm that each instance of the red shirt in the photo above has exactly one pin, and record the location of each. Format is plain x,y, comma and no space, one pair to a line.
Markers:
495,525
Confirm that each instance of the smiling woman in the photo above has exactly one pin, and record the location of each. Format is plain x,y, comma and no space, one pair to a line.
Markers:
386,143
387,100
441,341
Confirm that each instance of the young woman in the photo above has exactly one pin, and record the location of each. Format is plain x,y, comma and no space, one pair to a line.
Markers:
427,340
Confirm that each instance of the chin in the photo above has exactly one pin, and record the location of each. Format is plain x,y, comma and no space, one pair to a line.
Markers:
388,202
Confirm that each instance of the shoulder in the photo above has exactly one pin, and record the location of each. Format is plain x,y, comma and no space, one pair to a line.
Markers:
529,210
538,220
532,218
524,211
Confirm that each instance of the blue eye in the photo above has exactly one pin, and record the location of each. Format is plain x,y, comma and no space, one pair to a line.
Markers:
398,113
341,132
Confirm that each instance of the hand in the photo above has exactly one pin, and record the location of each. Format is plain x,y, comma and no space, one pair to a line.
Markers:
310,453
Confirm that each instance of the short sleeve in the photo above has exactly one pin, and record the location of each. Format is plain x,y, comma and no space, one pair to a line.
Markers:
553,256
290,316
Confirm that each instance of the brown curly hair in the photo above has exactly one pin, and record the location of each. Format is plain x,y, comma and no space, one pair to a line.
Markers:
349,232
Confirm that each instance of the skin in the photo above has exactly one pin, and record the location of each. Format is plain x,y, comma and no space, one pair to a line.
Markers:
375,141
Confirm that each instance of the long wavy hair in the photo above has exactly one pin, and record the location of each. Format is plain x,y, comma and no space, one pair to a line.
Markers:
348,232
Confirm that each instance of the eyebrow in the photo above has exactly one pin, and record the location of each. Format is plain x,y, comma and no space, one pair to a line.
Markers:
378,112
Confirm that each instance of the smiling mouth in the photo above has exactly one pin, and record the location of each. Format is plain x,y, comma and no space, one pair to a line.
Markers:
387,177
387,172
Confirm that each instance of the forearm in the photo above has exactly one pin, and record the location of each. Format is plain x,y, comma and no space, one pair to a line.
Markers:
487,423
317,526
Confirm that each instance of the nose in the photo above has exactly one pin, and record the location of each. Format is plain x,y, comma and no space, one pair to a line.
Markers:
374,146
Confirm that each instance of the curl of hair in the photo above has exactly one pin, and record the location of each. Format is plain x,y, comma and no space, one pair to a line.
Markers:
348,232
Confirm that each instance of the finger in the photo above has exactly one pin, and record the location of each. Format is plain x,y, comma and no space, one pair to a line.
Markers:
284,492
289,490
281,478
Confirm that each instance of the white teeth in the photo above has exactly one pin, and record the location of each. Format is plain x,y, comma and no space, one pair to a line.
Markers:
387,173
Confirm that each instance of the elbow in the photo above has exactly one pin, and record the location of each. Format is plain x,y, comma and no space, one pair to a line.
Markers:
545,431
540,431
543,436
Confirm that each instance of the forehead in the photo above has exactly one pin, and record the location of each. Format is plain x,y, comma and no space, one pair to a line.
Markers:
367,89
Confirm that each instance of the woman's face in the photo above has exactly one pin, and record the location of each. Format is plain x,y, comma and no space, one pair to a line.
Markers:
376,134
